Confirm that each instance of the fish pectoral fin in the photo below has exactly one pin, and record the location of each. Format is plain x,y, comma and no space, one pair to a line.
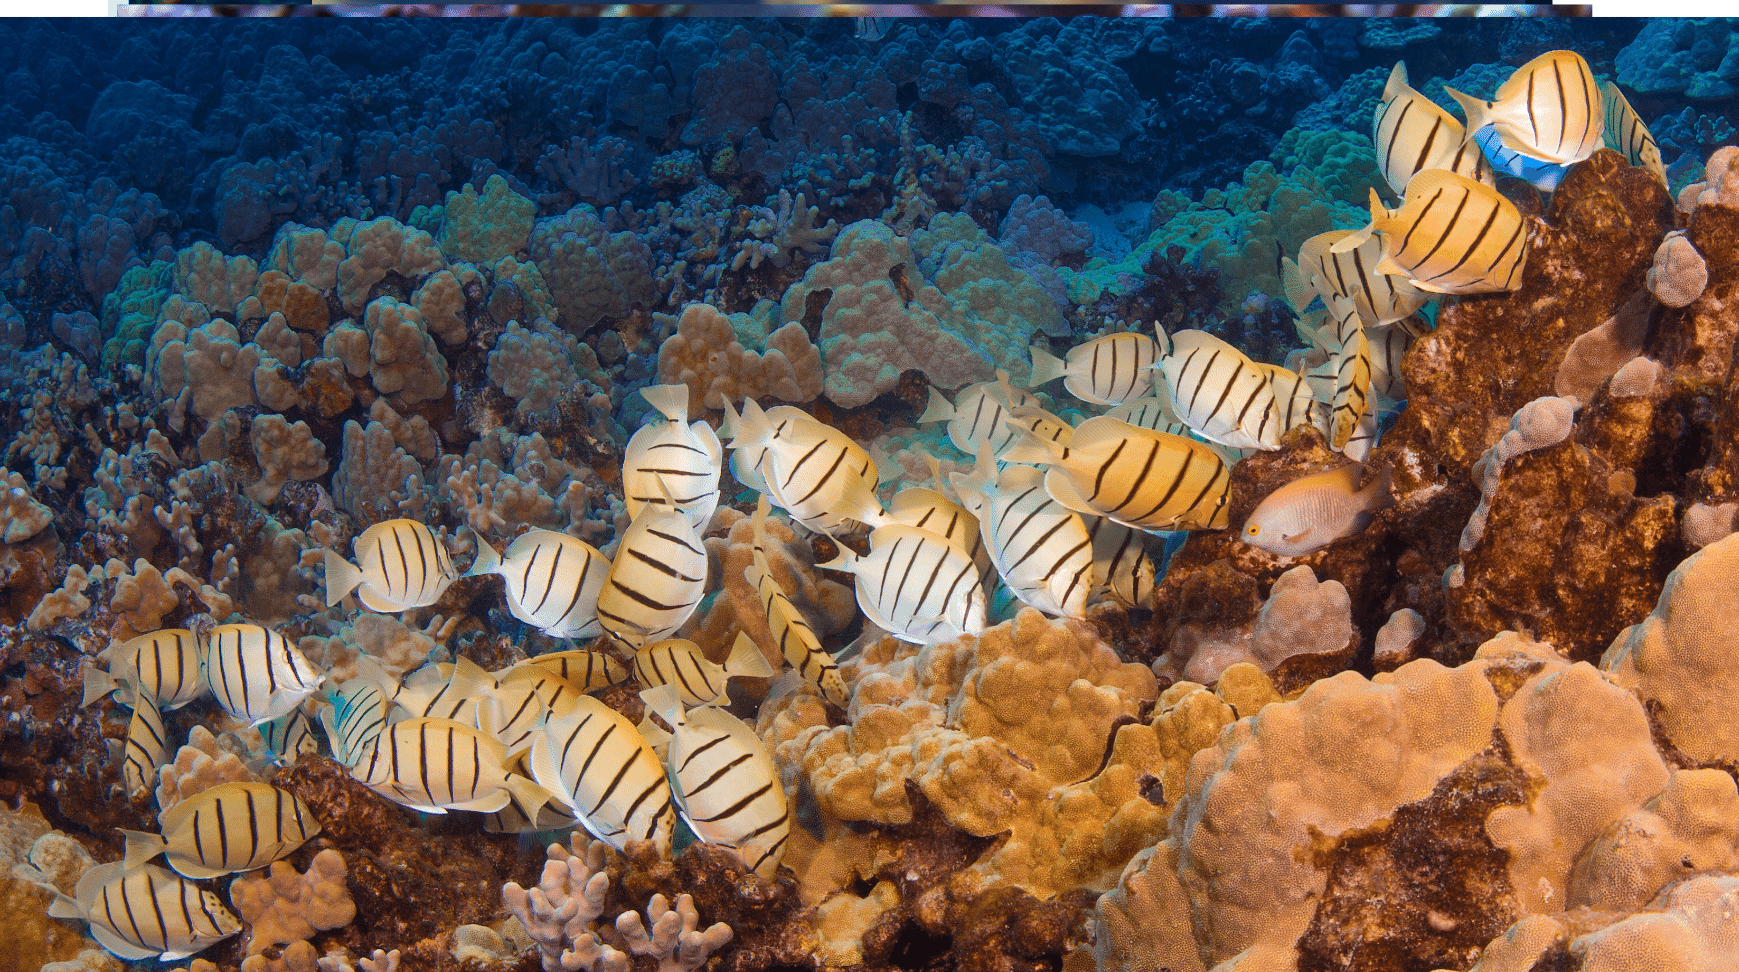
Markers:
1298,537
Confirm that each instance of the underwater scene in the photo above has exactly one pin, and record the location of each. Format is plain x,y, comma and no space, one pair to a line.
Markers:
924,494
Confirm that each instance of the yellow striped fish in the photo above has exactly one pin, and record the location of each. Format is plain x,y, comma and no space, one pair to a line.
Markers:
450,690
1109,370
586,669
1138,477
1549,109
656,581
929,509
1451,236
1625,133
1040,548
599,769
745,459
353,717
1412,134
813,471
688,458
1352,389
977,413
437,765
1152,412
552,580
1031,418
1219,393
916,585
255,673
514,819
147,745
164,664
724,780
1120,563
797,641
680,664
226,829
402,566
1379,298
146,912
520,703
1388,346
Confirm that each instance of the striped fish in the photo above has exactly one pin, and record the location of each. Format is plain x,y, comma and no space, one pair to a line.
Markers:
1138,477
402,566
164,664
813,471
1120,562
1624,132
657,580
354,716
745,459
1550,109
585,669
147,745
929,509
916,585
1109,370
437,765
1388,346
1293,395
1451,236
1040,548
1379,298
724,781
146,912
552,581
1152,412
450,690
1412,134
1364,437
600,770
229,828
1219,393
680,664
977,413
514,819
1352,389
797,641
288,736
255,673
521,703
688,458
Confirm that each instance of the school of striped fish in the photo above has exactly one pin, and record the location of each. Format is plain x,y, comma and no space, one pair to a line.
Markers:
1055,512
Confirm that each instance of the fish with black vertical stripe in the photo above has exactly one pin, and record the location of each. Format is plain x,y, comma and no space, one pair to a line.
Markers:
656,580
916,585
1039,547
977,412
436,765
226,829
796,640
724,781
1550,109
163,663
687,458
813,471
1138,477
699,681
1108,370
146,912
1219,392
1412,134
552,581
1451,236
599,769
400,564
1625,133
255,673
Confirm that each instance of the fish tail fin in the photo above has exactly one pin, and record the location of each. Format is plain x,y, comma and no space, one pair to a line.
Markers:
670,400
846,560
652,732
1298,291
141,847
487,562
342,577
1377,493
1359,237
752,427
1478,112
1046,366
1397,81
98,683
860,503
939,409
525,791
65,907
728,424
1033,450
1164,340
664,703
982,475
746,659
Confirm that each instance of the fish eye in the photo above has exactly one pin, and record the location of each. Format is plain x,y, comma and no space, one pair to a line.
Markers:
1253,529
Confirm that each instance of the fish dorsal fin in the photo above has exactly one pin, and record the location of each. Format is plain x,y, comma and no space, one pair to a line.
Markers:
1060,487
671,401
939,409
935,465
1003,389
728,423
1397,82
1017,478
1104,430
1033,449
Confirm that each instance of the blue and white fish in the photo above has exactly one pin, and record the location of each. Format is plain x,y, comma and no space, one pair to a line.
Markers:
1543,176
1550,109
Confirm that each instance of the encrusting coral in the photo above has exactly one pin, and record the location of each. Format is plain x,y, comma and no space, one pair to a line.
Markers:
281,906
